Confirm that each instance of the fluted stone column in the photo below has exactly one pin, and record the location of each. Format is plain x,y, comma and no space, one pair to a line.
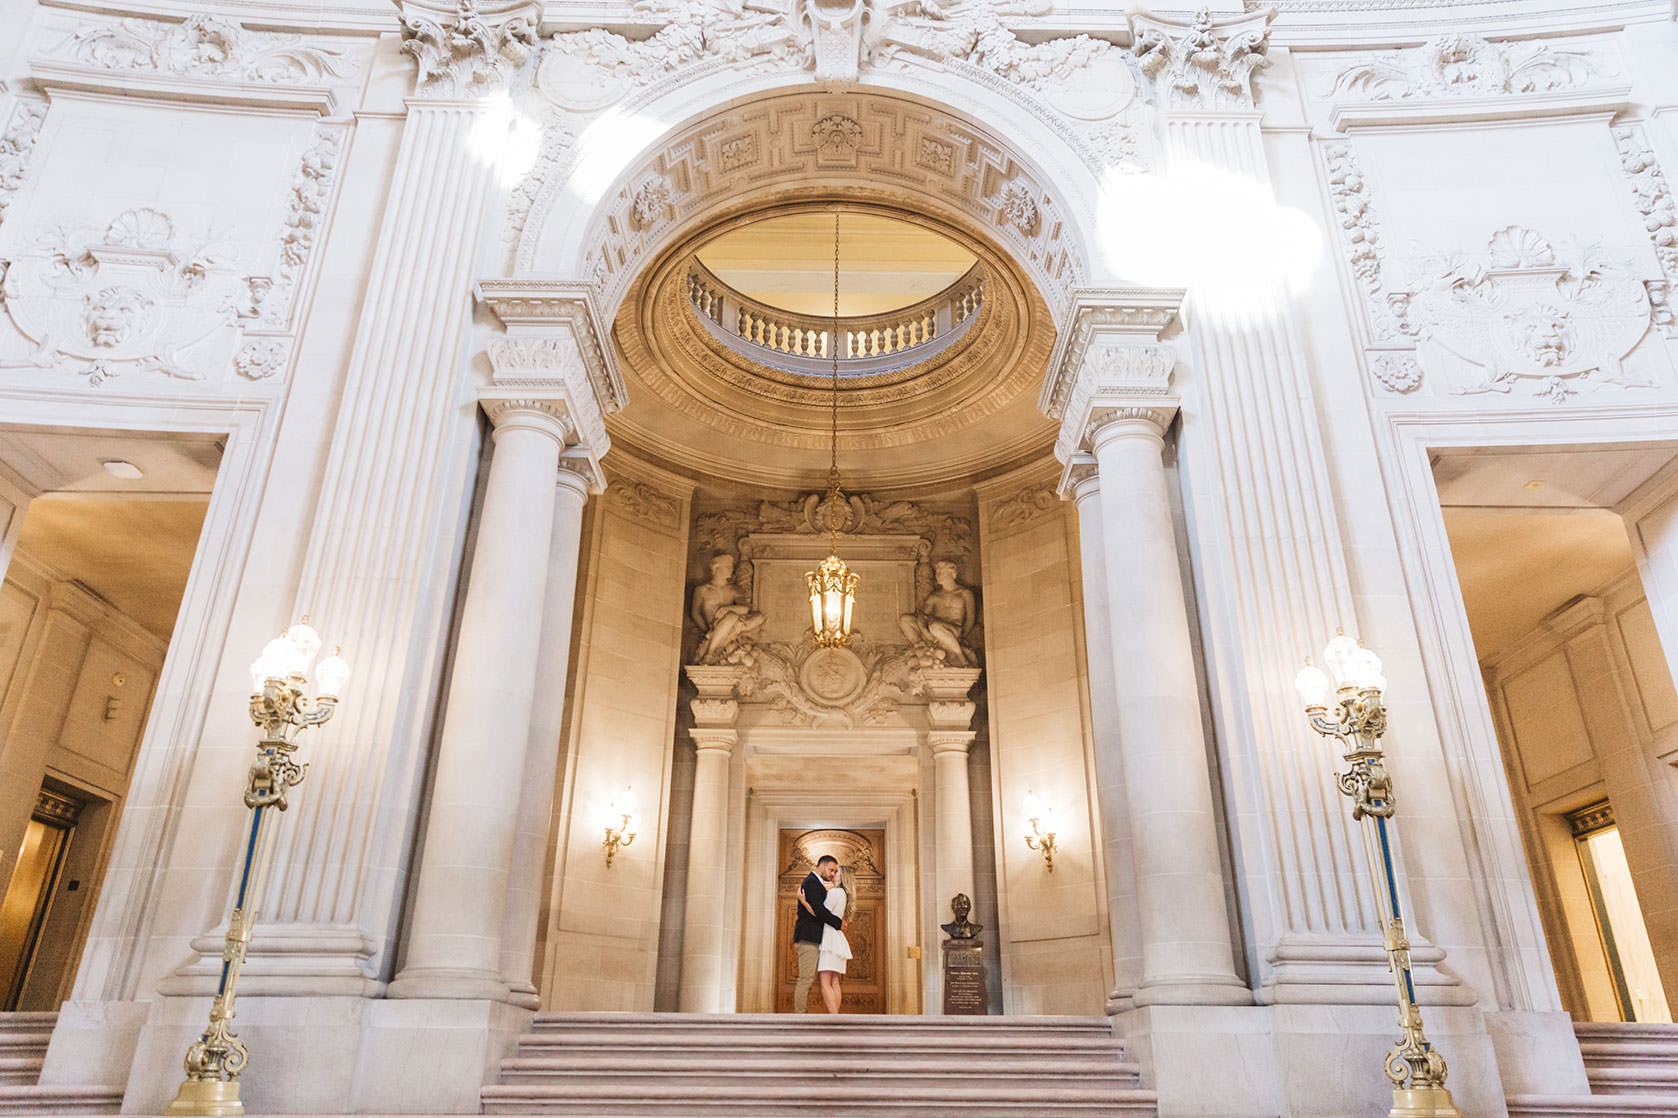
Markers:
704,952
949,719
547,718
1112,396
454,945
1113,803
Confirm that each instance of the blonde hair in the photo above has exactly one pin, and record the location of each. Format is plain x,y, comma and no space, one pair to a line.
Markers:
845,881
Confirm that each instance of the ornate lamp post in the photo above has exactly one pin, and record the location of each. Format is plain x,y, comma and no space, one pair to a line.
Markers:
279,707
1349,709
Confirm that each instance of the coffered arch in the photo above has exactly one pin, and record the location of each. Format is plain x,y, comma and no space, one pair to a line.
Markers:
892,145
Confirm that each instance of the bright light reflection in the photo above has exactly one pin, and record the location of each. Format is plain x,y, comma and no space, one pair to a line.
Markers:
506,138
606,146
1221,235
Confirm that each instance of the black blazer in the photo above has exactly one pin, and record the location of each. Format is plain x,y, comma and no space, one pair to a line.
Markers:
808,928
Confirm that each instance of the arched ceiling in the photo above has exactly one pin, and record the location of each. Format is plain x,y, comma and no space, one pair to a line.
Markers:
701,408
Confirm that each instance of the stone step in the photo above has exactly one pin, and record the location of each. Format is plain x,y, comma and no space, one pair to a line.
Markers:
858,1041
880,1070
1592,1106
60,1100
676,1098
27,1022
668,1064
1627,1058
23,1046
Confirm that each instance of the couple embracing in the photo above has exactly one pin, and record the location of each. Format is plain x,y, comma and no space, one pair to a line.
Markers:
825,901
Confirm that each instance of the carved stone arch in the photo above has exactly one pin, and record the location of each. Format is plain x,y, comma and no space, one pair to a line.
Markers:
1038,205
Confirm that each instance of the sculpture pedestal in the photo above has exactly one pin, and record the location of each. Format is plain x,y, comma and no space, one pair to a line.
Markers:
964,978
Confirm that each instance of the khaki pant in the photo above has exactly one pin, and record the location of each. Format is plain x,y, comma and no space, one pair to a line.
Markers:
808,953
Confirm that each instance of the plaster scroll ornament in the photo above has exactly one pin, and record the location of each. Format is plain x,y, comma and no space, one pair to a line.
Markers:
206,46
17,143
1204,64
467,53
945,619
824,693
128,296
729,624
1460,65
1524,314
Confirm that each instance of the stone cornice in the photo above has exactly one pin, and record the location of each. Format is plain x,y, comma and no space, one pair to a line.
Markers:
553,308
1104,315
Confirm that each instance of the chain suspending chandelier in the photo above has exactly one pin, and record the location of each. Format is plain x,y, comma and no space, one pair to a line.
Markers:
833,585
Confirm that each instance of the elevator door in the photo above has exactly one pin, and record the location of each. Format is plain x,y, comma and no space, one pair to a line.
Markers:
23,912
863,987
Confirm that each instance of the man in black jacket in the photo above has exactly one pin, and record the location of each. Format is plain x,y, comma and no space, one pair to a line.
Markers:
807,929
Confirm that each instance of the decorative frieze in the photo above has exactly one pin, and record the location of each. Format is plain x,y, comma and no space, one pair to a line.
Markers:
1205,63
1029,504
860,513
471,51
17,144
1463,64
640,501
204,46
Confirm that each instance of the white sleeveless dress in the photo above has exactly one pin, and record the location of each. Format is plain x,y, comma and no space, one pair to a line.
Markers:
835,948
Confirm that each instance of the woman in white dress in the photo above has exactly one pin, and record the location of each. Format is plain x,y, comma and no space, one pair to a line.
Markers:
835,948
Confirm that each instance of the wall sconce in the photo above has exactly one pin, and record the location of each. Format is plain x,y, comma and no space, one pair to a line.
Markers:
621,823
1041,836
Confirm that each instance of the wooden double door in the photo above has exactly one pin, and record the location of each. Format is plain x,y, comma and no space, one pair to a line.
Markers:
863,852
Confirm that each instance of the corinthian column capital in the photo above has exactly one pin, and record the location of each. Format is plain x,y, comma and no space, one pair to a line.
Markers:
1202,64
468,51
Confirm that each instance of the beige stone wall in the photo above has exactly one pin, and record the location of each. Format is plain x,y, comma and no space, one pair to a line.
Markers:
602,922
65,717
1586,710
1056,956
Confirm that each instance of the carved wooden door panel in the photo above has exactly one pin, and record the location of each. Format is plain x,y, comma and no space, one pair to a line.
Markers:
863,987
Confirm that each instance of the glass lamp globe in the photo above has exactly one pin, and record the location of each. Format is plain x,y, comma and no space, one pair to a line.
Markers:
1314,687
1337,657
305,646
1363,671
331,674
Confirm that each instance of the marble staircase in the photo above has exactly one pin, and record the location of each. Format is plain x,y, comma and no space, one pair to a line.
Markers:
652,1064
23,1046
1629,1059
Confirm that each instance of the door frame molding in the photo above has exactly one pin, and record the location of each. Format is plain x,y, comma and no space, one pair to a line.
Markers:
771,810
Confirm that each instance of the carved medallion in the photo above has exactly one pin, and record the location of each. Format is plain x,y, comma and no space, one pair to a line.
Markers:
834,676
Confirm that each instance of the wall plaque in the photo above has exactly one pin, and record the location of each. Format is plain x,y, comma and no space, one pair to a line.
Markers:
964,978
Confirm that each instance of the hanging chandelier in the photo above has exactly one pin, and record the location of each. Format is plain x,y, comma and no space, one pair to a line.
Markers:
833,585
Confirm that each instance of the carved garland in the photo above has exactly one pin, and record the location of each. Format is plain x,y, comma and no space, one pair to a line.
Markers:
1653,196
17,144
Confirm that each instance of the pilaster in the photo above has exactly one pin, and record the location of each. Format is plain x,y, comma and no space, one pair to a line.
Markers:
704,941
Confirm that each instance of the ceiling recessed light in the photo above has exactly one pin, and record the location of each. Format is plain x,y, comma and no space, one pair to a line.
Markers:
1534,485
127,471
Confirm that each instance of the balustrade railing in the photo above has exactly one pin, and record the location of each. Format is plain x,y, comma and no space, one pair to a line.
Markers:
864,338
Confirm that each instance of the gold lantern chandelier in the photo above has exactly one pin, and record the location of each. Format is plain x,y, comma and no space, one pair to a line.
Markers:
833,585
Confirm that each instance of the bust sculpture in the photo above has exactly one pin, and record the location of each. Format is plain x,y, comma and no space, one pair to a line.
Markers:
961,927
945,617
720,614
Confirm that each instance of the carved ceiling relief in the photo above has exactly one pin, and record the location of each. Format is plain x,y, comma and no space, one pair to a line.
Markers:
203,47
733,619
143,296
1464,65
1081,86
1526,317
